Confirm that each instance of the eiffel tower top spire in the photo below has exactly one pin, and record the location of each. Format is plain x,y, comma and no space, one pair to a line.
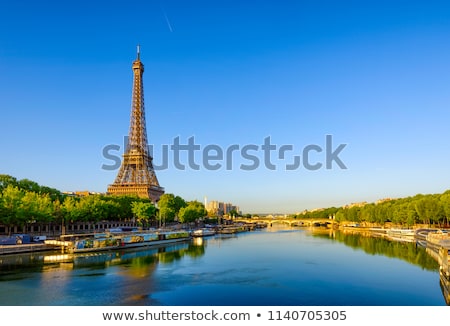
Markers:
136,175
137,137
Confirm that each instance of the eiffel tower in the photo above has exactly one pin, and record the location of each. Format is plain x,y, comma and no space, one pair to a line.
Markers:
136,175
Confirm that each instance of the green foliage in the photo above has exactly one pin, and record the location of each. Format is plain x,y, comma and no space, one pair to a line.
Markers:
122,204
29,186
144,212
7,180
169,207
429,209
25,201
318,214
19,207
379,246
445,204
11,201
432,209
193,211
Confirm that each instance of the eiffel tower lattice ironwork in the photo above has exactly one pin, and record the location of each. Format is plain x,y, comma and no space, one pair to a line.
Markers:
137,175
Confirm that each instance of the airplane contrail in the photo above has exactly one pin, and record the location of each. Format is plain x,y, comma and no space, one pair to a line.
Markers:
167,19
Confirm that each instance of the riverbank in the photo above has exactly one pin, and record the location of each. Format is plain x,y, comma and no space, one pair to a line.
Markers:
24,248
418,235
120,238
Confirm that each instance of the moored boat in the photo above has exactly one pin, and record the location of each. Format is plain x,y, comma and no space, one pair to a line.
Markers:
401,235
233,229
203,232
116,240
401,232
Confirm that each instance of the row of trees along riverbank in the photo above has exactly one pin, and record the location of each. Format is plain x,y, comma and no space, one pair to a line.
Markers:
23,202
424,209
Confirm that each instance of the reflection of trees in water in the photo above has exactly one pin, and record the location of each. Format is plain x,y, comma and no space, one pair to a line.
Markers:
31,262
139,267
140,258
193,251
137,260
138,285
196,251
170,257
407,251
145,265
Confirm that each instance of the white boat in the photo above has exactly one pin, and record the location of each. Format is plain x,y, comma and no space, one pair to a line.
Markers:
401,232
203,232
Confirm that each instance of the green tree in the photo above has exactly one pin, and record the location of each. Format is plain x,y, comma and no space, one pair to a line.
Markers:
122,204
36,208
233,213
399,213
367,213
69,212
178,203
53,193
111,209
354,214
340,216
144,212
445,204
7,180
12,211
28,185
92,209
169,206
429,209
166,209
411,214
193,211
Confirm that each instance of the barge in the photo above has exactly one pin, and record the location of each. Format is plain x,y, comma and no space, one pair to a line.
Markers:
117,240
203,232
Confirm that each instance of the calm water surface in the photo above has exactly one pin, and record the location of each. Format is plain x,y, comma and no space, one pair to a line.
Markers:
272,267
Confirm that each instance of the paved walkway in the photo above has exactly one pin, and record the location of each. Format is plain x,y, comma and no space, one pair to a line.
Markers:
16,249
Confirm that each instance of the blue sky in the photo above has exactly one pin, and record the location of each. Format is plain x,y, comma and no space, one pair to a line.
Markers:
375,75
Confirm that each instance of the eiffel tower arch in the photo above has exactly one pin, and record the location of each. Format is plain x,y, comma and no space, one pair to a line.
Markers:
136,175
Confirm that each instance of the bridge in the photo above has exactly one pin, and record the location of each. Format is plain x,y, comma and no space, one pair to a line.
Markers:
288,221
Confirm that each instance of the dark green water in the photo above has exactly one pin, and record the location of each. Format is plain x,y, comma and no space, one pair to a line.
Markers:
272,267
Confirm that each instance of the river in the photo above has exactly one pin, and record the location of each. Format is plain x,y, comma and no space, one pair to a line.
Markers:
277,266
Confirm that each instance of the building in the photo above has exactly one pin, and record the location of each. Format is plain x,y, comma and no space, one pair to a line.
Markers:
81,193
361,204
216,208
137,175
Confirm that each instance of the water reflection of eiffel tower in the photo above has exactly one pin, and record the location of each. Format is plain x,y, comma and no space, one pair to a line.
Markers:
136,175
